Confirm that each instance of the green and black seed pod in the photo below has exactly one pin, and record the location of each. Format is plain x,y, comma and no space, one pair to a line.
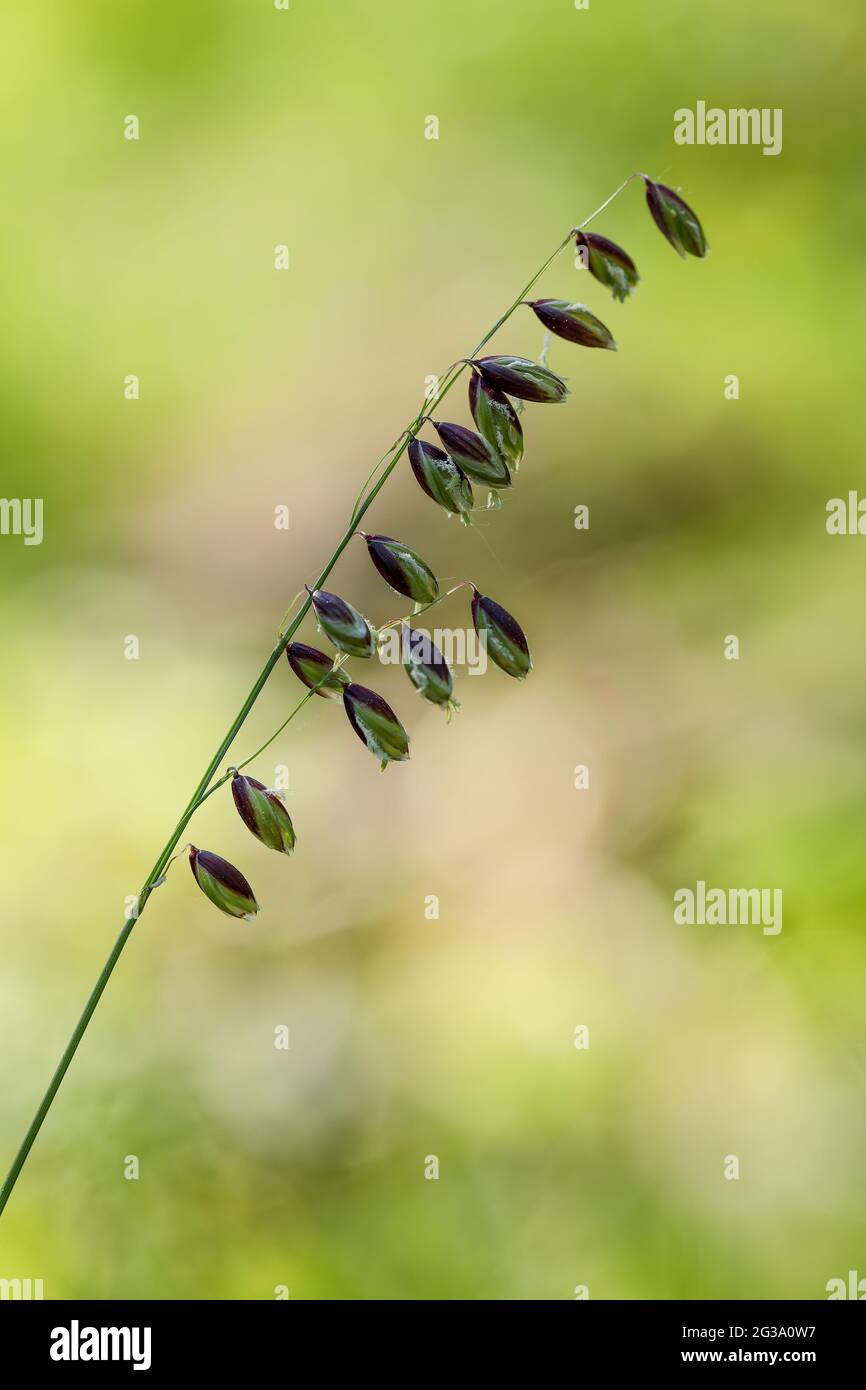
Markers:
497,420
574,322
400,567
223,884
376,724
316,670
675,219
440,477
343,624
517,376
609,264
506,642
471,452
263,813
427,668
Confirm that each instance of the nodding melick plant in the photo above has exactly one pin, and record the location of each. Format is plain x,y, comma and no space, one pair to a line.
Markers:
487,457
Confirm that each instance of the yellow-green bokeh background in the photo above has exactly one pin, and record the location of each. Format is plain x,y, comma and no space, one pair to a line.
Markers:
452,1037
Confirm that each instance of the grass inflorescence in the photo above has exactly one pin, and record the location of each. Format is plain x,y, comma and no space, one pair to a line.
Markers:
487,456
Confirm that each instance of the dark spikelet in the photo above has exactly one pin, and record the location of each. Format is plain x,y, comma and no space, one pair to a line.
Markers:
506,641
427,668
440,477
522,378
419,453
315,669
497,420
263,812
574,322
608,263
332,606
376,724
220,869
344,625
479,460
676,221
402,568
242,802
223,884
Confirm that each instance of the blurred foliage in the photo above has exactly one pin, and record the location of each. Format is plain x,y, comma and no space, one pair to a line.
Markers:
453,1037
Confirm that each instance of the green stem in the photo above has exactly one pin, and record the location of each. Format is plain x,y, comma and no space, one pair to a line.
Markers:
364,500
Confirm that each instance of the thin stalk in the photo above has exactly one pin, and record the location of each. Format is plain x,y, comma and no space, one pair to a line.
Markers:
369,491
422,607
268,741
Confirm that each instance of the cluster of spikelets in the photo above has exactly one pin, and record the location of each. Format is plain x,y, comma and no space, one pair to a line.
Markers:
486,456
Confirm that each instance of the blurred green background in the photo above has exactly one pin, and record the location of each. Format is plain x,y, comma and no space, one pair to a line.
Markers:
452,1037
